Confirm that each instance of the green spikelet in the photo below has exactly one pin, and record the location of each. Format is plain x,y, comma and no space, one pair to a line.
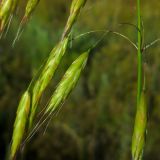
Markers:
139,134
30,7
20,123
45,76
74,12
67,83
5,12
7,9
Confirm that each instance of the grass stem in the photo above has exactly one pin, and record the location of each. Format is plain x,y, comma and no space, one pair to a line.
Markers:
139,79
139,133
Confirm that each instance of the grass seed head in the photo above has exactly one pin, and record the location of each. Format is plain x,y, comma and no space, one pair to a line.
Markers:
139,134
45,76
5,12
74,12
20,123
30,7
67,83
7,9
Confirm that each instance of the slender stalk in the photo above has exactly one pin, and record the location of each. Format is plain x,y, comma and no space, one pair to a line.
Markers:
139,133
139,80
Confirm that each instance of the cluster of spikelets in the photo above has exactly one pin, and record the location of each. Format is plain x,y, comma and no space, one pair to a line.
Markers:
28,104
8,9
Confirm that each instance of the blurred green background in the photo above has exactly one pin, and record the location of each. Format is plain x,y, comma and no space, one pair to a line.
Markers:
96,122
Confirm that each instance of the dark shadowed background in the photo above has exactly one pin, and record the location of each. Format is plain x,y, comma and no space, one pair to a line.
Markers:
96,121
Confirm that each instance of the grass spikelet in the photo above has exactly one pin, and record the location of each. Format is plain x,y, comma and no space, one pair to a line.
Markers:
139,134
47,72
5,12
74,12
7,9
20,123
30,7
67,83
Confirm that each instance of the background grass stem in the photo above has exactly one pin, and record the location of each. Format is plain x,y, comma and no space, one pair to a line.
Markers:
139,80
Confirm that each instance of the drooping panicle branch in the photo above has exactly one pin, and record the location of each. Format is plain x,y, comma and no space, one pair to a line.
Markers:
42,78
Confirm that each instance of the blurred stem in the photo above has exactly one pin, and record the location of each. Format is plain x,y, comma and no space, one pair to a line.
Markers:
139,80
